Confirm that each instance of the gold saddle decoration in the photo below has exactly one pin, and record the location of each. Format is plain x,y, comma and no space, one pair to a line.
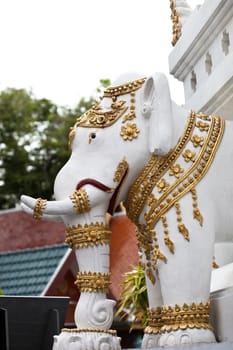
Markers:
163,182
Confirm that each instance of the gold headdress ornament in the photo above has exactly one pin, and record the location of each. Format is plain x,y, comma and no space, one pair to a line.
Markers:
176,22
98,118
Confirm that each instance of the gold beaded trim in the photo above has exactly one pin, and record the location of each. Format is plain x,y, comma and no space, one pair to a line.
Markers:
93,281
154,321
78,236
191,177
124,89
38,209
92,330
176,22
121,170
186,316
80,201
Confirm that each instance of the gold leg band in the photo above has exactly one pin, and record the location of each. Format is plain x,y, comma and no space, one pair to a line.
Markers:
38,209
78,236
93,281
172,318
186,316
154,321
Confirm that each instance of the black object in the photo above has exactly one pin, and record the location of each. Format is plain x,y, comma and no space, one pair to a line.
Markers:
29,323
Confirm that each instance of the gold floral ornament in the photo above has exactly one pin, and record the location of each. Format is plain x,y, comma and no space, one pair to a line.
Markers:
162,185
197,140
129,131
203,126
93,281
38,209
80,201
189,155
176,170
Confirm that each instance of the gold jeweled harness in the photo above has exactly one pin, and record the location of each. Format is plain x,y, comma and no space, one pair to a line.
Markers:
165,180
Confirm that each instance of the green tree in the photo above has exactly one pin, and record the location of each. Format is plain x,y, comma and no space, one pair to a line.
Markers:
33,143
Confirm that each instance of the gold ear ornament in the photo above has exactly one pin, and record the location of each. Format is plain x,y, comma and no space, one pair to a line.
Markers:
80,201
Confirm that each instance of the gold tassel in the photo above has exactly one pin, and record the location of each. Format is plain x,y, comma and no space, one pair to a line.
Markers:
150,275
169,244
183,229
196,212
214,264
197,215
161,256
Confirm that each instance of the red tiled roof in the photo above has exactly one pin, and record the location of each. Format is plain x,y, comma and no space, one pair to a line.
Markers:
19,230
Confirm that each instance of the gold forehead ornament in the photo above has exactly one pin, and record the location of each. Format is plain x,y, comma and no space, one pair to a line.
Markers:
98,118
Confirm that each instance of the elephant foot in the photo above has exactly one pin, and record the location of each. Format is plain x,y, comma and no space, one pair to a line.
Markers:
187,336
150,341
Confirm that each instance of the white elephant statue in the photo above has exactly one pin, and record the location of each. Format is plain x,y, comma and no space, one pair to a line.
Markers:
173,170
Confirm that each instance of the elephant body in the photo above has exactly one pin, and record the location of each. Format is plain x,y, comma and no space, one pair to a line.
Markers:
133,128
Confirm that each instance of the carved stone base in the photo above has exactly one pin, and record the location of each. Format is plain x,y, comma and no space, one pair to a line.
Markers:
86,339
186,337
150,341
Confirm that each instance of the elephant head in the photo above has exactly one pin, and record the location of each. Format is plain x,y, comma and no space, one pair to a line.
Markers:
111,143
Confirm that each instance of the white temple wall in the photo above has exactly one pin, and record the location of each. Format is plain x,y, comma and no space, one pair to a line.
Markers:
203,58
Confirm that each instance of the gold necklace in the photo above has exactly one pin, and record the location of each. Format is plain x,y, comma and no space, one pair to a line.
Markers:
152,172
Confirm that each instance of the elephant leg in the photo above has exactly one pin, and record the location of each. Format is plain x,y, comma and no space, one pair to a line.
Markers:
152,331
185,286
94,310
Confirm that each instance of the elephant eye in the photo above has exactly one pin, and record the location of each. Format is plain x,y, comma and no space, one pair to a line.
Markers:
92,136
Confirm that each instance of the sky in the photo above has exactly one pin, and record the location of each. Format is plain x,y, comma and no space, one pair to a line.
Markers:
60,49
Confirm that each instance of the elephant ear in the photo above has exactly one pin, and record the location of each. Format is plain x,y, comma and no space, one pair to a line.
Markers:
157,106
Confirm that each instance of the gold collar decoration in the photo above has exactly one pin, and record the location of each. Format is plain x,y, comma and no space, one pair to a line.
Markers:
164,181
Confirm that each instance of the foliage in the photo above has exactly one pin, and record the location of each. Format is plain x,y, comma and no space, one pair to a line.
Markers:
134,301
1,291
33,143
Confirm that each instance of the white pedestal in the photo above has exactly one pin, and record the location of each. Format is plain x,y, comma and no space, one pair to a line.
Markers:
86,339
